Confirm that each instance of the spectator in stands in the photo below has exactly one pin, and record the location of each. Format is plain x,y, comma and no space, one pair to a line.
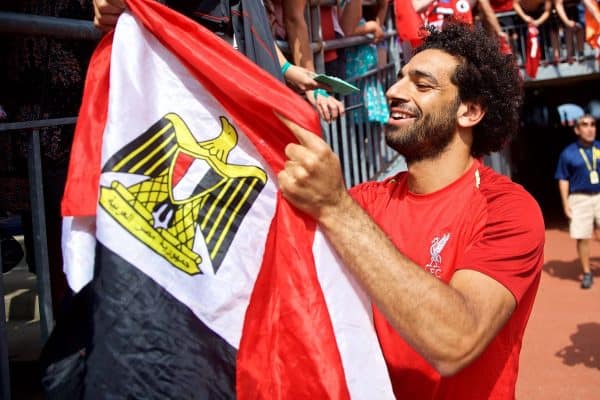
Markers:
337,22
450,252
229,21
434,12
533,12
377,11
508,22
536,12
483,9
290,25
568,12
364,58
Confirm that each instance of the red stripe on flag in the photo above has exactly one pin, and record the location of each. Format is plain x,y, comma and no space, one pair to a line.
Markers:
288,350
81,190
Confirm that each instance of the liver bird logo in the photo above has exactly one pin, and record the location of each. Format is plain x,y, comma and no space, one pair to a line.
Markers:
435,250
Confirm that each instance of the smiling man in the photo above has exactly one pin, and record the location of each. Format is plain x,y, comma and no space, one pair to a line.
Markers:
450,252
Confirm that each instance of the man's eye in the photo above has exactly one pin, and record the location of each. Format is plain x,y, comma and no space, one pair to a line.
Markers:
423,86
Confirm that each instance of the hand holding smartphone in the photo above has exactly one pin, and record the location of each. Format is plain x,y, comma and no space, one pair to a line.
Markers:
337,85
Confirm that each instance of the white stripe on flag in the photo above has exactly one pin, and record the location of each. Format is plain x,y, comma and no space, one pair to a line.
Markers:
78,249
351,316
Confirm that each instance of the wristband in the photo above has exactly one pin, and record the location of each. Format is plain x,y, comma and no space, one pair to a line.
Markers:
320,92
285,67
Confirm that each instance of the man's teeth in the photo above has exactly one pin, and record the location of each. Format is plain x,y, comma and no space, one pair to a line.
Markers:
398,115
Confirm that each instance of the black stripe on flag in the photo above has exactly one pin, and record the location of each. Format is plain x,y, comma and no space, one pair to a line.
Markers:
125,161
236,199
148,345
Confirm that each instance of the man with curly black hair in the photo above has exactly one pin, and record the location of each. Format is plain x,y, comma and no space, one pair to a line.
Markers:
449,252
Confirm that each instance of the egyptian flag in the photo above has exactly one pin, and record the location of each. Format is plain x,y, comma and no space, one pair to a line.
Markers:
205,282
533,55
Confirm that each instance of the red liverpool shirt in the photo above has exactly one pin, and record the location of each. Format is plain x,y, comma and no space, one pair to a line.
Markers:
484,222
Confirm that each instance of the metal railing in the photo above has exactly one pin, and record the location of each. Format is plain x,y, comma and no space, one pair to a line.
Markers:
359,143
61,28
40,246
4,366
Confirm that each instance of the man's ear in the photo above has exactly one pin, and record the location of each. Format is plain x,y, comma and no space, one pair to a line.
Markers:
469,114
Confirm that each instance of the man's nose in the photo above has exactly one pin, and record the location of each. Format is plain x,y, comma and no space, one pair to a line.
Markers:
396,91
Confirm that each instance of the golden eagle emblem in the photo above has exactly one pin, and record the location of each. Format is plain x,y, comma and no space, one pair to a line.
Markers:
189,187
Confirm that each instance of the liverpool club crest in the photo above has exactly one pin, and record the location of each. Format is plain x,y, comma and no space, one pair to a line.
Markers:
188,192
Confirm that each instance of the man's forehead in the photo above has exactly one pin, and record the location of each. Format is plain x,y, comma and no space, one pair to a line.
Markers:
434,62
586,119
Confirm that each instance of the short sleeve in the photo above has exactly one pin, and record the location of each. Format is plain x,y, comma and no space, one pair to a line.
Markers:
510,248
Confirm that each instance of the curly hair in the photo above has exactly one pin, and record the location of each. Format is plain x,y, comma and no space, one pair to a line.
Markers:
484,76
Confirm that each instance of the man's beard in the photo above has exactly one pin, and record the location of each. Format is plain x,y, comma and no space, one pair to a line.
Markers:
426,138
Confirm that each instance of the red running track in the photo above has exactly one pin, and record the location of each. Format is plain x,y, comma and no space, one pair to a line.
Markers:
560,358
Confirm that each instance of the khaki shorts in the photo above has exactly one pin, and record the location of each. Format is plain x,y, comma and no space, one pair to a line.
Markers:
585,209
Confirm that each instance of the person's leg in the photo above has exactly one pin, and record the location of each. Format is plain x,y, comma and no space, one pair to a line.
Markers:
579,32
580,36
583,252
569,39
555,45
554,51
581,229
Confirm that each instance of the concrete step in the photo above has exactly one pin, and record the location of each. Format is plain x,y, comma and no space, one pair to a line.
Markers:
20,295
22,312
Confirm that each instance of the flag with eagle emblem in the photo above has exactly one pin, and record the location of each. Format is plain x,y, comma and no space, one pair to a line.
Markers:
206,283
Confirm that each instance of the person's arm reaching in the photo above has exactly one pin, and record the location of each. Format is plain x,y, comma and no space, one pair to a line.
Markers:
382,8
328,107
106,13
297,33
349,16
300,79
448,324
371,27
560,10
490,16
